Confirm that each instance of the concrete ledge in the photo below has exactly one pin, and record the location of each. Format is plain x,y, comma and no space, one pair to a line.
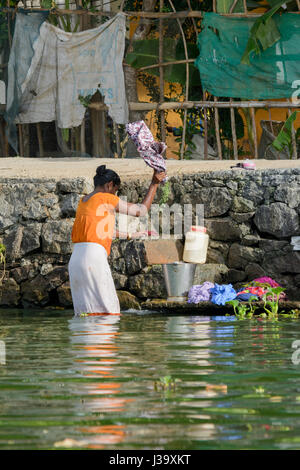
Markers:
205,308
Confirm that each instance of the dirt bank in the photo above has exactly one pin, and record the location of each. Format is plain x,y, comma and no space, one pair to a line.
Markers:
127,168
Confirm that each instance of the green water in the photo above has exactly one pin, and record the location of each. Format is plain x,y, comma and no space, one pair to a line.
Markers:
89,383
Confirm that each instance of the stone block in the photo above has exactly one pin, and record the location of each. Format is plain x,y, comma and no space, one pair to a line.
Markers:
210,272
64,295
135,256
216,200
56,236
163,251
149,284
120,280
9,293
224,229
128,300
240,256
37,290
277,219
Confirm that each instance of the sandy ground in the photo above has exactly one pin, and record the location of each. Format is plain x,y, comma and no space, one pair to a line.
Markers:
128,169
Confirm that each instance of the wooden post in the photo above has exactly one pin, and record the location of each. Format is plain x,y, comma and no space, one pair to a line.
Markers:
205,130
294,142
217,126
233,129
118,143
270,119
254,132
21,147
187,81
82,137
40,139
26,140
161,73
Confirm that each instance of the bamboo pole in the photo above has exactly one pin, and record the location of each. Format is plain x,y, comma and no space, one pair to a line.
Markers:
118,141
298,4
131,14
146,106
254,132
21,147
217,126
205,131
82,137
40,139
161,74
193,19
294,142
270,119
141,14
245,6
2,140
8,26
187,83
233,129
165,64
233,6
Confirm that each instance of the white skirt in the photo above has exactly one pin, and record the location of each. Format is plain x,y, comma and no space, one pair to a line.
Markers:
92,286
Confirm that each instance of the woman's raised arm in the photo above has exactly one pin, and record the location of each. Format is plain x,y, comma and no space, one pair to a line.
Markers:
139,210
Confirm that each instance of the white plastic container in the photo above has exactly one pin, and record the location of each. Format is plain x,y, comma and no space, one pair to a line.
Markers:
196,244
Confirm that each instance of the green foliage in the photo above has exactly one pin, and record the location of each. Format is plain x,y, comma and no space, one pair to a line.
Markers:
2,260
284,138
247,309
166,383
264,33
85,100
145,53
46,4
271,300
165,193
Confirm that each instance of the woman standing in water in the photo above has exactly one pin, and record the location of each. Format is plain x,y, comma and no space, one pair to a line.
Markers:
92,285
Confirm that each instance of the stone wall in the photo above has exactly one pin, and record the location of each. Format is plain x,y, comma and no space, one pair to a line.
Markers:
250,217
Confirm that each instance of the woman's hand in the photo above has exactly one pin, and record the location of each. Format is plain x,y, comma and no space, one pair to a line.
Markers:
158,176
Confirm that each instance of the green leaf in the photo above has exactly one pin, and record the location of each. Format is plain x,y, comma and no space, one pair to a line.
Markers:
223,6
46,4
145,53
264,32
284,137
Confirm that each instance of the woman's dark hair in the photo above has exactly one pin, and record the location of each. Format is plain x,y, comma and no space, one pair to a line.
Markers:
104,175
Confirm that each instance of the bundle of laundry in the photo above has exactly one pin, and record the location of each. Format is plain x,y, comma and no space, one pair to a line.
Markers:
217,294
259,287
200,293
150,150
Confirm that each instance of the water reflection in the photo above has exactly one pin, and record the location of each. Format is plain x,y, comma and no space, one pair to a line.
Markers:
95,352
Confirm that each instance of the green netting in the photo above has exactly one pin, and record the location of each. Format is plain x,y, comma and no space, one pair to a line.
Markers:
272,74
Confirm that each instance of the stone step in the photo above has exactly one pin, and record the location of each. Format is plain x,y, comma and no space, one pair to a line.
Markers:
163,251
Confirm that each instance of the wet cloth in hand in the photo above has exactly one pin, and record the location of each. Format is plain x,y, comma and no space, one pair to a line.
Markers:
148,149
222,294
200,293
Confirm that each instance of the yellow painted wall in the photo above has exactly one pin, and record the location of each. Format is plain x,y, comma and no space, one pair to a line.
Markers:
173,118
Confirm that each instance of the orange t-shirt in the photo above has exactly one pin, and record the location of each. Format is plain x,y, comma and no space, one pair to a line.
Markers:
95,220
